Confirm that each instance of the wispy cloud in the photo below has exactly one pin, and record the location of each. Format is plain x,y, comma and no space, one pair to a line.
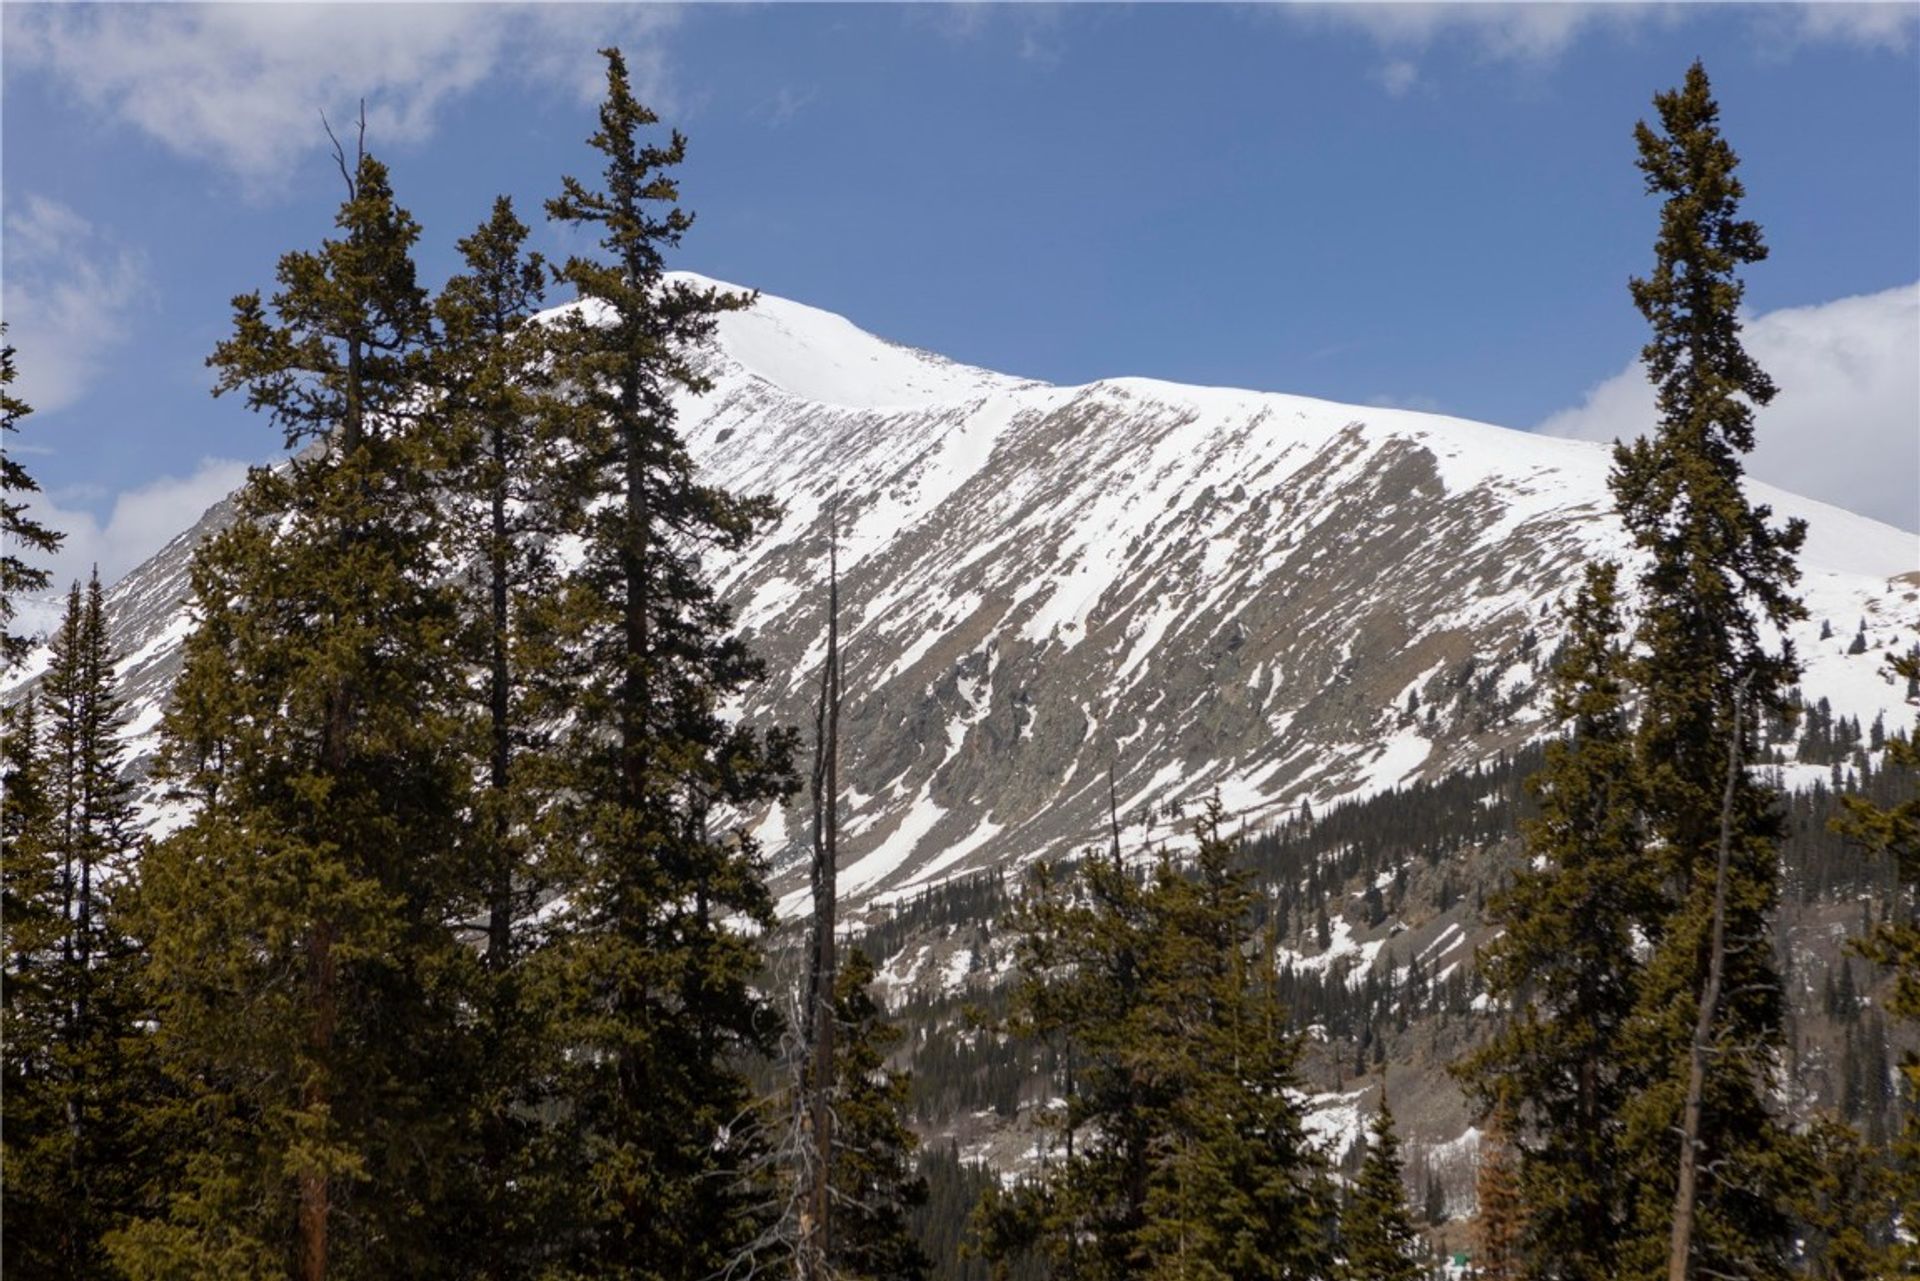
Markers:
1397,76
1533,37
240,86
1842,428
68,290
140,522
788,103
1887,27
1419,403
1034,27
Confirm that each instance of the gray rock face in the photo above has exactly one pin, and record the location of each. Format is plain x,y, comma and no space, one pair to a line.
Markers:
1048,592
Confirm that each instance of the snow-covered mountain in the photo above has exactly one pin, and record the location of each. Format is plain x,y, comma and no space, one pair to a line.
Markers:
1186,589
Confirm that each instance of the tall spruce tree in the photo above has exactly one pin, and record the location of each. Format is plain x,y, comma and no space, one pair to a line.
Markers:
1378,1241
73,1137
305,924
511,496
511,490
1894,830
1566,963
1718,576
35,1232
19,532
650,976
874,1187
1193,1159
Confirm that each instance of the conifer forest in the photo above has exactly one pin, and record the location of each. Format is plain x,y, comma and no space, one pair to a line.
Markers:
463,925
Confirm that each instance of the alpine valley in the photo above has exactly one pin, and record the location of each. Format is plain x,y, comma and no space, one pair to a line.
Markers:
1074,611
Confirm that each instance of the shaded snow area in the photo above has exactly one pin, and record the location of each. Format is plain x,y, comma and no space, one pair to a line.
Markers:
1338,1121
1058,602
1343,951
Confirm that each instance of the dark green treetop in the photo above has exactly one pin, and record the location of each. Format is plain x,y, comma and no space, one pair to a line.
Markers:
874,1186
18,531
305,925
649,978
1565,962
1717,581
1378,1241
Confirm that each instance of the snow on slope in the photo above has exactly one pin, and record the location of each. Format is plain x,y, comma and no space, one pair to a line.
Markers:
1192,588
1027,558
821,357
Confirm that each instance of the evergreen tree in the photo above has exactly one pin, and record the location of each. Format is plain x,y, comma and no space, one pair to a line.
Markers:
649,978
1566,962
1845,1204
511,494
35,1234
305,924
1378,1241
1499,1224
18,531
1717,571
1894,830
511,491
1195,1160
874,1185
72,1139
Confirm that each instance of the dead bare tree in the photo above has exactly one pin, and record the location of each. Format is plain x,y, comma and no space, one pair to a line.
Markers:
815,1213
1680,1252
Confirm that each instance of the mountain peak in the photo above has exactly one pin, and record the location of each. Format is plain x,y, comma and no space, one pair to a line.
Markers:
823,357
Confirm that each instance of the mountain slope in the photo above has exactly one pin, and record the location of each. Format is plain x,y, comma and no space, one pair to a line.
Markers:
1164,590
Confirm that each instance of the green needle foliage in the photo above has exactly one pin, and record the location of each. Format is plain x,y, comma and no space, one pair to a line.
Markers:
648,977
1895,942
508,492
1566,963
1181,1151
874,1188
77,1063
18,531
304,924
1609,938
1717,571
1378,1241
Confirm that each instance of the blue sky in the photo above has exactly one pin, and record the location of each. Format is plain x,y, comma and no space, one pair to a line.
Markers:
1428,206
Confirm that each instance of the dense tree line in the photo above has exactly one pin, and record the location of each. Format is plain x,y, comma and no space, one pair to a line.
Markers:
1643,1053
446,964
451,957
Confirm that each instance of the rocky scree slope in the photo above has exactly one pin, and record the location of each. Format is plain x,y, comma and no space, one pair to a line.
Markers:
1169,590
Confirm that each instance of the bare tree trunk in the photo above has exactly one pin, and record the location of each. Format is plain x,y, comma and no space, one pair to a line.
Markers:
500,893
1680,1254
816,1212
635,687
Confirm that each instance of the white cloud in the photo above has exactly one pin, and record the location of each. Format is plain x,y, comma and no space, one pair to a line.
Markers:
1514,32
1888,27
1845,427
242,85
788,103
1398,77
141,522
1527,35
1535,36
68,288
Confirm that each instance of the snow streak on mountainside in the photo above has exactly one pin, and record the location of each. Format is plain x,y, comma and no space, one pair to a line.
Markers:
1183,588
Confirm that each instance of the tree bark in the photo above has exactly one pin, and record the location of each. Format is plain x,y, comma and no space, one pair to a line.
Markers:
1680,1252
816,1217
500,893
